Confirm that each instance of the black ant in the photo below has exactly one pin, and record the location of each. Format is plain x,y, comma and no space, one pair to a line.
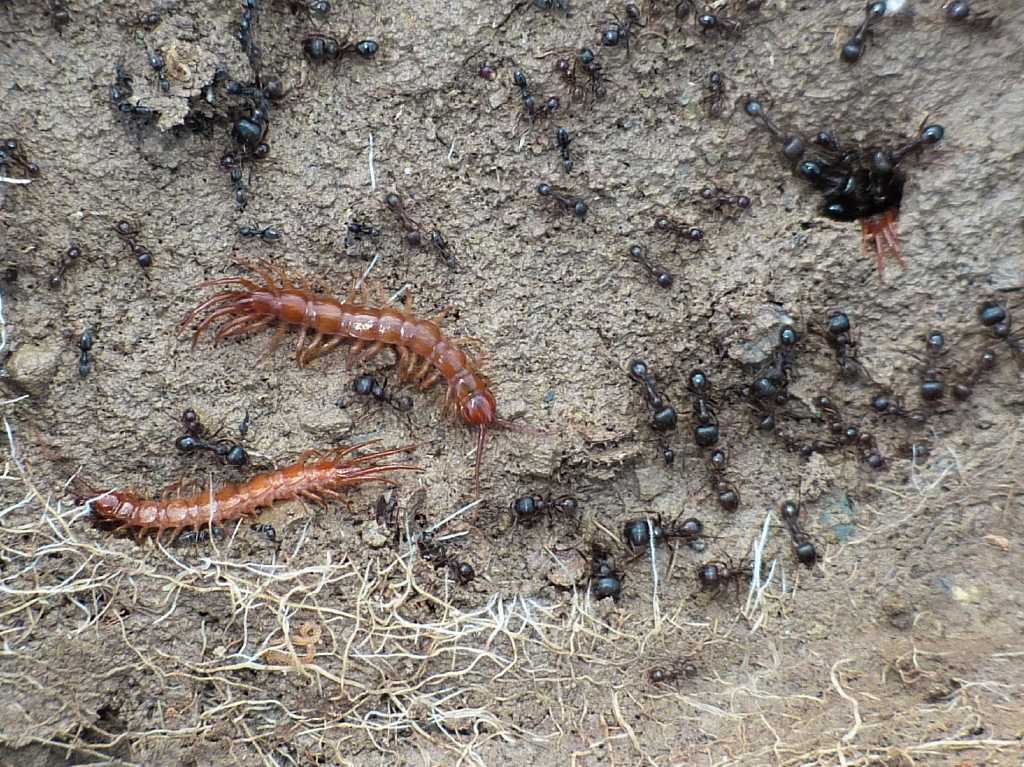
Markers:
563,139
588,60
265,233
933,388
853,48
804,549
85,343
858,185
60,16
713,99
553,5
717,199
664,415
566,201
637,532
886,404
416,235
770,388
705,433
663,675
605,581
996,317
367,385
964,390
127,232
72,255
959,10
779,369
529,508
661,275
247,27
839,334
156,61
312,7
197,437
186,537
707,21
680,230
354,230
12,151
713,575
320,48
148,21
728,495
620,32
266,529
431,551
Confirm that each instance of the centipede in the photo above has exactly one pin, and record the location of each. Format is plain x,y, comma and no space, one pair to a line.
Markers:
425,354
313,477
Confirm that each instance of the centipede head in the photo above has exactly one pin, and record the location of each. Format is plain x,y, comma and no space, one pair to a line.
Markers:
104,504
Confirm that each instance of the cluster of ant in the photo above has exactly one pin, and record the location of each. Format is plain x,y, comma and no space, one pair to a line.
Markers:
858,185
198,438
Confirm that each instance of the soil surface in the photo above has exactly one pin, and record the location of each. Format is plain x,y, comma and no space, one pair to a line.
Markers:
323,641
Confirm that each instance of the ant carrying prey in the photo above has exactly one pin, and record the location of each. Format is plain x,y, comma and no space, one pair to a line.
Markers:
864,185
197,437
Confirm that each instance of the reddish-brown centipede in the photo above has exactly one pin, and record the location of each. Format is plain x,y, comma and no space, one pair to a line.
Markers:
312,478
425,354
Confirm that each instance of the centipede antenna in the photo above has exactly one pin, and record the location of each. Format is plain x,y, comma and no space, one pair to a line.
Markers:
373,173
455,514
361,281
398,294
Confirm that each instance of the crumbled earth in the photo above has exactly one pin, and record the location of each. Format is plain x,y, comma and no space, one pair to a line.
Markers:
324,643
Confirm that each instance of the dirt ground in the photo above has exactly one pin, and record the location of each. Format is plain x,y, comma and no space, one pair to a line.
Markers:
902,646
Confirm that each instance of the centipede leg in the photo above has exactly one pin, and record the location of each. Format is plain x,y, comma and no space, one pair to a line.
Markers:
421,371
209,303
374,348
354,352
430,380
240,326
312,350
301,344
326,347
275,341
224,311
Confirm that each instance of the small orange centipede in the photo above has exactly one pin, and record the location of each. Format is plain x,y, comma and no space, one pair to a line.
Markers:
425,353
312,478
